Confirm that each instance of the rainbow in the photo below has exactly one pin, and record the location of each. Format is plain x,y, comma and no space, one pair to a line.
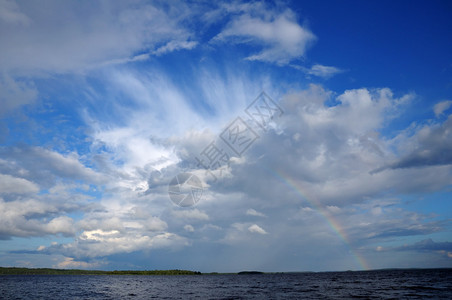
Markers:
331,221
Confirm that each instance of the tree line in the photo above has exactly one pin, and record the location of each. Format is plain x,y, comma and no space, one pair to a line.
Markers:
49,271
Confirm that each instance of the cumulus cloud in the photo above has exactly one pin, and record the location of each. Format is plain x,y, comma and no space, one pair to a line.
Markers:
441,107
436,250
318,165
194,214
62,224
430,145
427,245
70,263
39,189
256,229
327,151
10,184
33,218
391,223
99,243
42,165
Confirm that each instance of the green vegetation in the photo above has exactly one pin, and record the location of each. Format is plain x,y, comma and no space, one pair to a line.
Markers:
250,273
47,271
155,272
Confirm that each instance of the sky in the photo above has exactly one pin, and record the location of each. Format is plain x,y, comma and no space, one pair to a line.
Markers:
320,133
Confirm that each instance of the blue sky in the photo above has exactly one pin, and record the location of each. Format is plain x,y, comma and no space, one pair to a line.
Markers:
103,103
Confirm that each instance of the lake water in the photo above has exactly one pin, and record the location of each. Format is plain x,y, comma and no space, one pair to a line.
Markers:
395,284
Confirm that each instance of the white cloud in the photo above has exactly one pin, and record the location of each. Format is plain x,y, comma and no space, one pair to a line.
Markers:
22,218
62,37
324,71
99,243
40,188
155,224
241,234
123,226
62,224
191,214
145,143
253,212
333,209
41,165
422,146
363,110
70,263
329,152
98,234
15,93
10,184
281,37
135,149
320,70
441,107
256,229
124,212
175,45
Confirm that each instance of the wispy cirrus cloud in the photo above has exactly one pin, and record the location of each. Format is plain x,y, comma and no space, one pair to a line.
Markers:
320,70
110,31
282,39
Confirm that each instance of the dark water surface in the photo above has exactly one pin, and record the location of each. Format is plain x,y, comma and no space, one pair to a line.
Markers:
388,284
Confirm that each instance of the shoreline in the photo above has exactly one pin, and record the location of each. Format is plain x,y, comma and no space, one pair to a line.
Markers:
174,272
